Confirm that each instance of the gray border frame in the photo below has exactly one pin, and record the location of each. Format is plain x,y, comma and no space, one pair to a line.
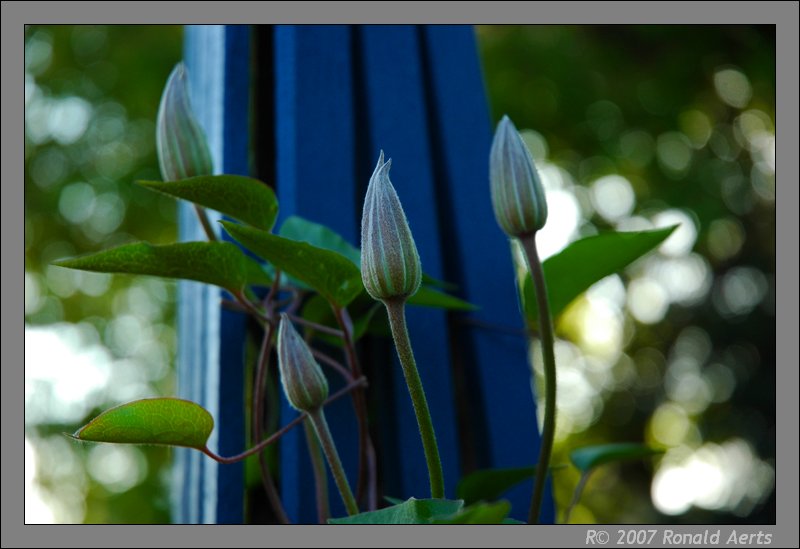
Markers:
15,14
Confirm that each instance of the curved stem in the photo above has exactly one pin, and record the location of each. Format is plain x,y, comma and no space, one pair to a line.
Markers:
397,322
258,416
317,418
283,430
546,333
367,468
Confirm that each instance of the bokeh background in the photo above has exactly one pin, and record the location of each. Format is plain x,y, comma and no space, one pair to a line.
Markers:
632,127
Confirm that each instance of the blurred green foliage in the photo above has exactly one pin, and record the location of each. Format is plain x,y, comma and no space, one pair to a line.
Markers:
685,115
91,95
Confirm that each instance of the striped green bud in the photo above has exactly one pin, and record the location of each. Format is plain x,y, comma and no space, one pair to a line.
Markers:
390,266
517,193
180,141
304,384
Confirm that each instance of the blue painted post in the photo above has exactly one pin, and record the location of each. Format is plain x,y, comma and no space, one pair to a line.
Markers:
211,341
341,94
316,179
397,122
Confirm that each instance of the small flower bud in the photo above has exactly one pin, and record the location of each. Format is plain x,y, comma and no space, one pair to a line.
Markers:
390,266
180,142
517,193
304,384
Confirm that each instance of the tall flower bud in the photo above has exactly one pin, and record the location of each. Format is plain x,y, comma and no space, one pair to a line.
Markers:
517,194
390,266
180,142
304,384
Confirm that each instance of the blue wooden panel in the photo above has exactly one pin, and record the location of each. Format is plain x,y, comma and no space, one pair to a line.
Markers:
211,341
480,253
315,141
395,103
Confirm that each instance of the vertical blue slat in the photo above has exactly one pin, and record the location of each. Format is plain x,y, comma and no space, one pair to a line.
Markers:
316,180
211,341
481,252
397,123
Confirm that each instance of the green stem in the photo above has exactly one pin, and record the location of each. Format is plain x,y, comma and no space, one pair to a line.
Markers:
397,321
320,478
317,418
546,333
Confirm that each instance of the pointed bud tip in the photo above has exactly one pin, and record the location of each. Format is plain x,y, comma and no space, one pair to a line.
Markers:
302,379
518,197
390,266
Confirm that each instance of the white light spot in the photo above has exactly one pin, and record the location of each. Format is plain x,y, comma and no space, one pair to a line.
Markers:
119,468
562,221
613,197
682,239
674,153
648,302
733,87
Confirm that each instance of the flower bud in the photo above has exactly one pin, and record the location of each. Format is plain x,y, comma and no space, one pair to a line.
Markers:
390,266
180,142
517,193
304,384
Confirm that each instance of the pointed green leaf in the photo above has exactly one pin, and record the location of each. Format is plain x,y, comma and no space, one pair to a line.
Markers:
490,484
220,263
303,230
413,511
480,513
331,274
573,270
591,456
168,421
243,198
393,501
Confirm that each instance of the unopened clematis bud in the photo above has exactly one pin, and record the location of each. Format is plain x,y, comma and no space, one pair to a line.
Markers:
180,142
390,266
304,384
517,194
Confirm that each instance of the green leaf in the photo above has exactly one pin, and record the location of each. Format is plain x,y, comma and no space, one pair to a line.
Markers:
573,270
413,511
169,421
490,484
243,198
331,274
589,457
219,263
480,513
428,297
303,230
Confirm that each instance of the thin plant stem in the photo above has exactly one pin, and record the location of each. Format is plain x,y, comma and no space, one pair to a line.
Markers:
320,477
335,364
397,322
546,333
258,414
202,216
367,468
576,496
316,326
283,430
325,438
